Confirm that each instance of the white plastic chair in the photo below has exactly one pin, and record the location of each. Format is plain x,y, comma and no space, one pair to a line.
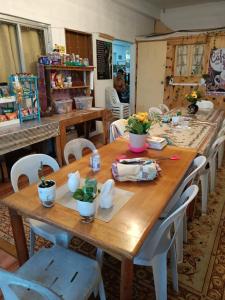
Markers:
158,243
29,166
154,110
212,159
53,274
75,147
221,148
117,128
195,171
112,101
205,104
164,108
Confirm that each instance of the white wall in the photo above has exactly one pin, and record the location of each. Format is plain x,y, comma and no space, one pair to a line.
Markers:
92,16
209,15
105,16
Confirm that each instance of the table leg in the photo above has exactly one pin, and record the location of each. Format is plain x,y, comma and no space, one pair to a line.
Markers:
126,279
105,125
19,236
87,127
63,139
58,150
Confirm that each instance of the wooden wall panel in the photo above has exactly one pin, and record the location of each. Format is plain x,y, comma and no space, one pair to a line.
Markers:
79,43
174,96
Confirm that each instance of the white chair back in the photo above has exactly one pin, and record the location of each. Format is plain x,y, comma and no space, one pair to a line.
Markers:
112,101
205,104
117,128
214,148
163,237
10,281
111,97
29,166
154,110
75,147
164,108
221,132
196,167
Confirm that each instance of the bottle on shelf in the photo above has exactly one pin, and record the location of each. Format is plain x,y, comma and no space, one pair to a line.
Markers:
95,161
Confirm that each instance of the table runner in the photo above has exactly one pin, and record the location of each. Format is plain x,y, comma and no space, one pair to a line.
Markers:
191,136
64,197
22,135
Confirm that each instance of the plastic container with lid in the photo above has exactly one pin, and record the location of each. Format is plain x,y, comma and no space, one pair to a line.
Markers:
63,106
83,102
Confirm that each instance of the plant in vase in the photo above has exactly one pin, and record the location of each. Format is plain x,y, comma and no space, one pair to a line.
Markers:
85,197
46,189
193,97
138,126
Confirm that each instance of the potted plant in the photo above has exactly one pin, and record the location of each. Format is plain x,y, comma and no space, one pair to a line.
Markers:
193,97
138,126
85,197
46,189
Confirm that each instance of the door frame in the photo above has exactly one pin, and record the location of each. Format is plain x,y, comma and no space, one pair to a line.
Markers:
132,73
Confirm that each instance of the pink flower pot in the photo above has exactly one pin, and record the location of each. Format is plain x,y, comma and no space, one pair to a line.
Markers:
137,142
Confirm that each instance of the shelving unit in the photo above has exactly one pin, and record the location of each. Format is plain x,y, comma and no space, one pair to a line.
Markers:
7,100
184,84
30,100
81,85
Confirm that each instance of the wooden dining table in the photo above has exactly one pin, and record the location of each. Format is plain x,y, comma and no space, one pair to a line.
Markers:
125,233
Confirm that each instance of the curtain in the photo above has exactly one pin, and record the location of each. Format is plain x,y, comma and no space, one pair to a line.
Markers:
33,47
181,59
9,54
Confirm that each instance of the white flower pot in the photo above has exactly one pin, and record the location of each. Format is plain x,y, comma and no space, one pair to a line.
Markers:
137,142
86,209
47,194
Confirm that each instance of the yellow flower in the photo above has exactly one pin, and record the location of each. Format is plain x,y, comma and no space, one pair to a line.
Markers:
143,116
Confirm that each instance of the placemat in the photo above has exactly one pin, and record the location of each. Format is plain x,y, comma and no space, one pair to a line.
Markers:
64,197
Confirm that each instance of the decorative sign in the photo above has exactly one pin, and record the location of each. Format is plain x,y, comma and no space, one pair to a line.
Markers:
216,82
104,59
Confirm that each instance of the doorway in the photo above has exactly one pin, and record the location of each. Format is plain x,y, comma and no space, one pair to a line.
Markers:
121,69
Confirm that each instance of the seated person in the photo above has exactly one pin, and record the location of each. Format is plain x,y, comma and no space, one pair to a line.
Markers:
120,87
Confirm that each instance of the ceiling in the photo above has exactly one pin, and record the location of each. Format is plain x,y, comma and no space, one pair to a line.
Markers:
178,3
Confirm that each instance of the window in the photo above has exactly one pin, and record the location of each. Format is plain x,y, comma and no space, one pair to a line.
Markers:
21,42
189,60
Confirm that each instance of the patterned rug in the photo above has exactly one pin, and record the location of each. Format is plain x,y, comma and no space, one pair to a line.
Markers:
201,275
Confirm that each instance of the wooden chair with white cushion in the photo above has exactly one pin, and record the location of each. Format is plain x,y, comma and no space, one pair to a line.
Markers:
159,242
75,147
117,128
112,101
29,166
205,104
53,274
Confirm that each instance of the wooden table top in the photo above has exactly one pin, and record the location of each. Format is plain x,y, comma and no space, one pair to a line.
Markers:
125,233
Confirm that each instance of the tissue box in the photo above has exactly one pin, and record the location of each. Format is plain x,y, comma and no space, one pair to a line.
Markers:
155,142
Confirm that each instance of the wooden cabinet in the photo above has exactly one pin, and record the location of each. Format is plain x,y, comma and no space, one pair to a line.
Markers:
80,78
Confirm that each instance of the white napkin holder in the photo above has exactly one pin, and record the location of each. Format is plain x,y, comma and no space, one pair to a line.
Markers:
73,182
107,194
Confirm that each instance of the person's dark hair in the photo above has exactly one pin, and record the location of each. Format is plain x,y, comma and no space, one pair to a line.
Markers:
120,71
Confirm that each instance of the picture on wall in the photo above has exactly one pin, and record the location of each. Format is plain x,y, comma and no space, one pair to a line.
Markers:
104,59
215,84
